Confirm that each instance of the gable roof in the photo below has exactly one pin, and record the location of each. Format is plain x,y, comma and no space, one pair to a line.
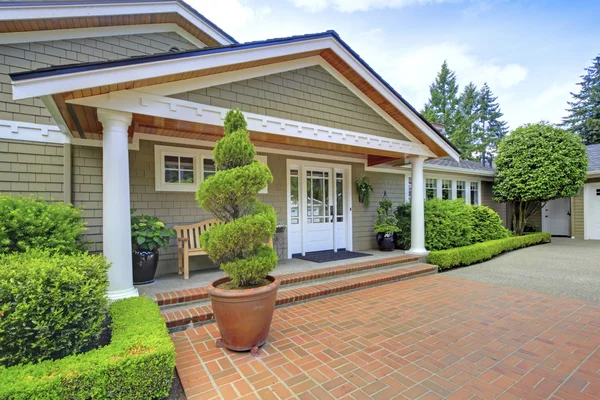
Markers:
15,17
73,82
593,151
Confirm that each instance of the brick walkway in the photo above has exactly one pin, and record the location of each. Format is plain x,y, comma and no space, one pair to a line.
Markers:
428,338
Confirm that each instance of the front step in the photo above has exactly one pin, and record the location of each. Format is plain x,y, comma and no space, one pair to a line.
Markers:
184,318
201,293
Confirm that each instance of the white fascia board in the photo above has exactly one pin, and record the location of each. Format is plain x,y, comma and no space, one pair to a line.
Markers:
43,11
91,78
16,130
454,170
391,97
101,31
593,174
56,115
166,107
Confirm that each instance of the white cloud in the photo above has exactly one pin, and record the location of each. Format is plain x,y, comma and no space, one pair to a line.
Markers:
360,5
233,16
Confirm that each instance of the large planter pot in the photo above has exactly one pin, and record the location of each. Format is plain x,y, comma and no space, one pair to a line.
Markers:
144,266
386,241
243,316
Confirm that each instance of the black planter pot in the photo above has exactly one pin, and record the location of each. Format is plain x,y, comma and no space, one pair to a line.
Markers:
386,241
144,266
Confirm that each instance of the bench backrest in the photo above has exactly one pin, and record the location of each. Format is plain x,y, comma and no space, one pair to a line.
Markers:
192,232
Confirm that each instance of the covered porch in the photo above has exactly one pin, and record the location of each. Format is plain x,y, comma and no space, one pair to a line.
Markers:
314,109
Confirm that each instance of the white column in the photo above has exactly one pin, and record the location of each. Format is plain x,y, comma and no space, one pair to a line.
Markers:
417,215
116,226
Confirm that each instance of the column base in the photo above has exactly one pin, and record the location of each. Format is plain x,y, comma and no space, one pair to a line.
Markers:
417,252
122,294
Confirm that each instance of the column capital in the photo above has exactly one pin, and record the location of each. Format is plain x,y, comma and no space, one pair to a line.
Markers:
107,116
416,159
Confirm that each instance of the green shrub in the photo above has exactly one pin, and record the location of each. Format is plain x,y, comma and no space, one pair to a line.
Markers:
51,305
238,245
479,252
386,221
451,223
34,223
486,225
137,364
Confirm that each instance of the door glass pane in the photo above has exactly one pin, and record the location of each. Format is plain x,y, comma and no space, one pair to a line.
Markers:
339,193
294,205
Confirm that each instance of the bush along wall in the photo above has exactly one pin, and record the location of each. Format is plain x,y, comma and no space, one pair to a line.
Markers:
451,223
467,255
137,364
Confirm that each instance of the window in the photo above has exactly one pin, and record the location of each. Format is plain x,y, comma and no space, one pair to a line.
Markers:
181,169
430,188
294,198
474,193
447,189
597,192
409,190
461,190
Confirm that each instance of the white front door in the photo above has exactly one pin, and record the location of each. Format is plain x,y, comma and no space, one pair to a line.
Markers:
557,217
591,215
319,208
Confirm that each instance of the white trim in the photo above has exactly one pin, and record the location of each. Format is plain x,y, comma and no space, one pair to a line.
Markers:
198,156
56,115
99,31
454,170
42,11
439,179
347,170
589,190
166,107
593,174
16,130
74,81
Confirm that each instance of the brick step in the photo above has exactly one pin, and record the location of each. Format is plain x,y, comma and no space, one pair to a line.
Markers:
201,293
188,317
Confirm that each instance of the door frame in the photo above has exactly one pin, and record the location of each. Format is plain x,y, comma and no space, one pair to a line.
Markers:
301,165
547,217
588,191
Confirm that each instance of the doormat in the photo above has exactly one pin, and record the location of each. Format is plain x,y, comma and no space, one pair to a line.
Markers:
330,255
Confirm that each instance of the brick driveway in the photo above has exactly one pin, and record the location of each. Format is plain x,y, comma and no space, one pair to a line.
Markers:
428,338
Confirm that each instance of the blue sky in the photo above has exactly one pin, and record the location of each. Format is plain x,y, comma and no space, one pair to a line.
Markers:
531,53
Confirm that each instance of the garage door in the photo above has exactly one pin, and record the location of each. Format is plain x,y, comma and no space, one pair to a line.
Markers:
592,211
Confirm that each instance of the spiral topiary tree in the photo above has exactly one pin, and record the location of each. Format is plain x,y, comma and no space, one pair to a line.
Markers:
238,245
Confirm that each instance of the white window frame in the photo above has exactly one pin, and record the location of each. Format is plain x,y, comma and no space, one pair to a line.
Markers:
439,178
198,155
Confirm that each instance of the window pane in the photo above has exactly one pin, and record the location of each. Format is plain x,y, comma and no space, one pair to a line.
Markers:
171,176
460,190
186,163
409,189
294,207
339,190
187,176
474,193
209,167
172,162
447,189
430,188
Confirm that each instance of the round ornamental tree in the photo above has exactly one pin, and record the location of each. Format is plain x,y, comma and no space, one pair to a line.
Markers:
238,245
537,163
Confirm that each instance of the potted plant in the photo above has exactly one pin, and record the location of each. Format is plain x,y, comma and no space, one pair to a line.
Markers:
364,190
386,226
148,234
244,300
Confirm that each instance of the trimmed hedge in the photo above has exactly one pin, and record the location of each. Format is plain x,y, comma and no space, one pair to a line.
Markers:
29,223
467,255
51,305
137,364
451,223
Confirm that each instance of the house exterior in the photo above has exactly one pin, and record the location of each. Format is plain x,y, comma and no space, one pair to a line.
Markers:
114,106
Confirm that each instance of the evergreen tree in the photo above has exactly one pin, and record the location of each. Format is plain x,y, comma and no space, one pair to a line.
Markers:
489,130
443,101
584,117
463,136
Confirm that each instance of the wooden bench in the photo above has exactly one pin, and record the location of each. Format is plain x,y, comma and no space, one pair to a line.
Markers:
188,243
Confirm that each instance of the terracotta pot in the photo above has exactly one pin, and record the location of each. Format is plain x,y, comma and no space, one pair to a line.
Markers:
243,316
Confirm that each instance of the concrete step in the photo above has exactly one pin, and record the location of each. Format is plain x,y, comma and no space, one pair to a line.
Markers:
201,313
167,299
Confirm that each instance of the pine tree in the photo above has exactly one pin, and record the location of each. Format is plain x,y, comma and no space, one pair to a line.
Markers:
489,130
441,106
463,136
584,117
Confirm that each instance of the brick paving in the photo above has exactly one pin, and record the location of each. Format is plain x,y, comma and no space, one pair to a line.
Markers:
428,338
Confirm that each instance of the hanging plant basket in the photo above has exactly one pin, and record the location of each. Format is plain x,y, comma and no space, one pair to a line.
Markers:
364,190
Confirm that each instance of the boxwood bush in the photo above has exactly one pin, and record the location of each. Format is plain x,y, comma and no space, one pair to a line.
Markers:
51,305
451,223
137,364
467,255
35,223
